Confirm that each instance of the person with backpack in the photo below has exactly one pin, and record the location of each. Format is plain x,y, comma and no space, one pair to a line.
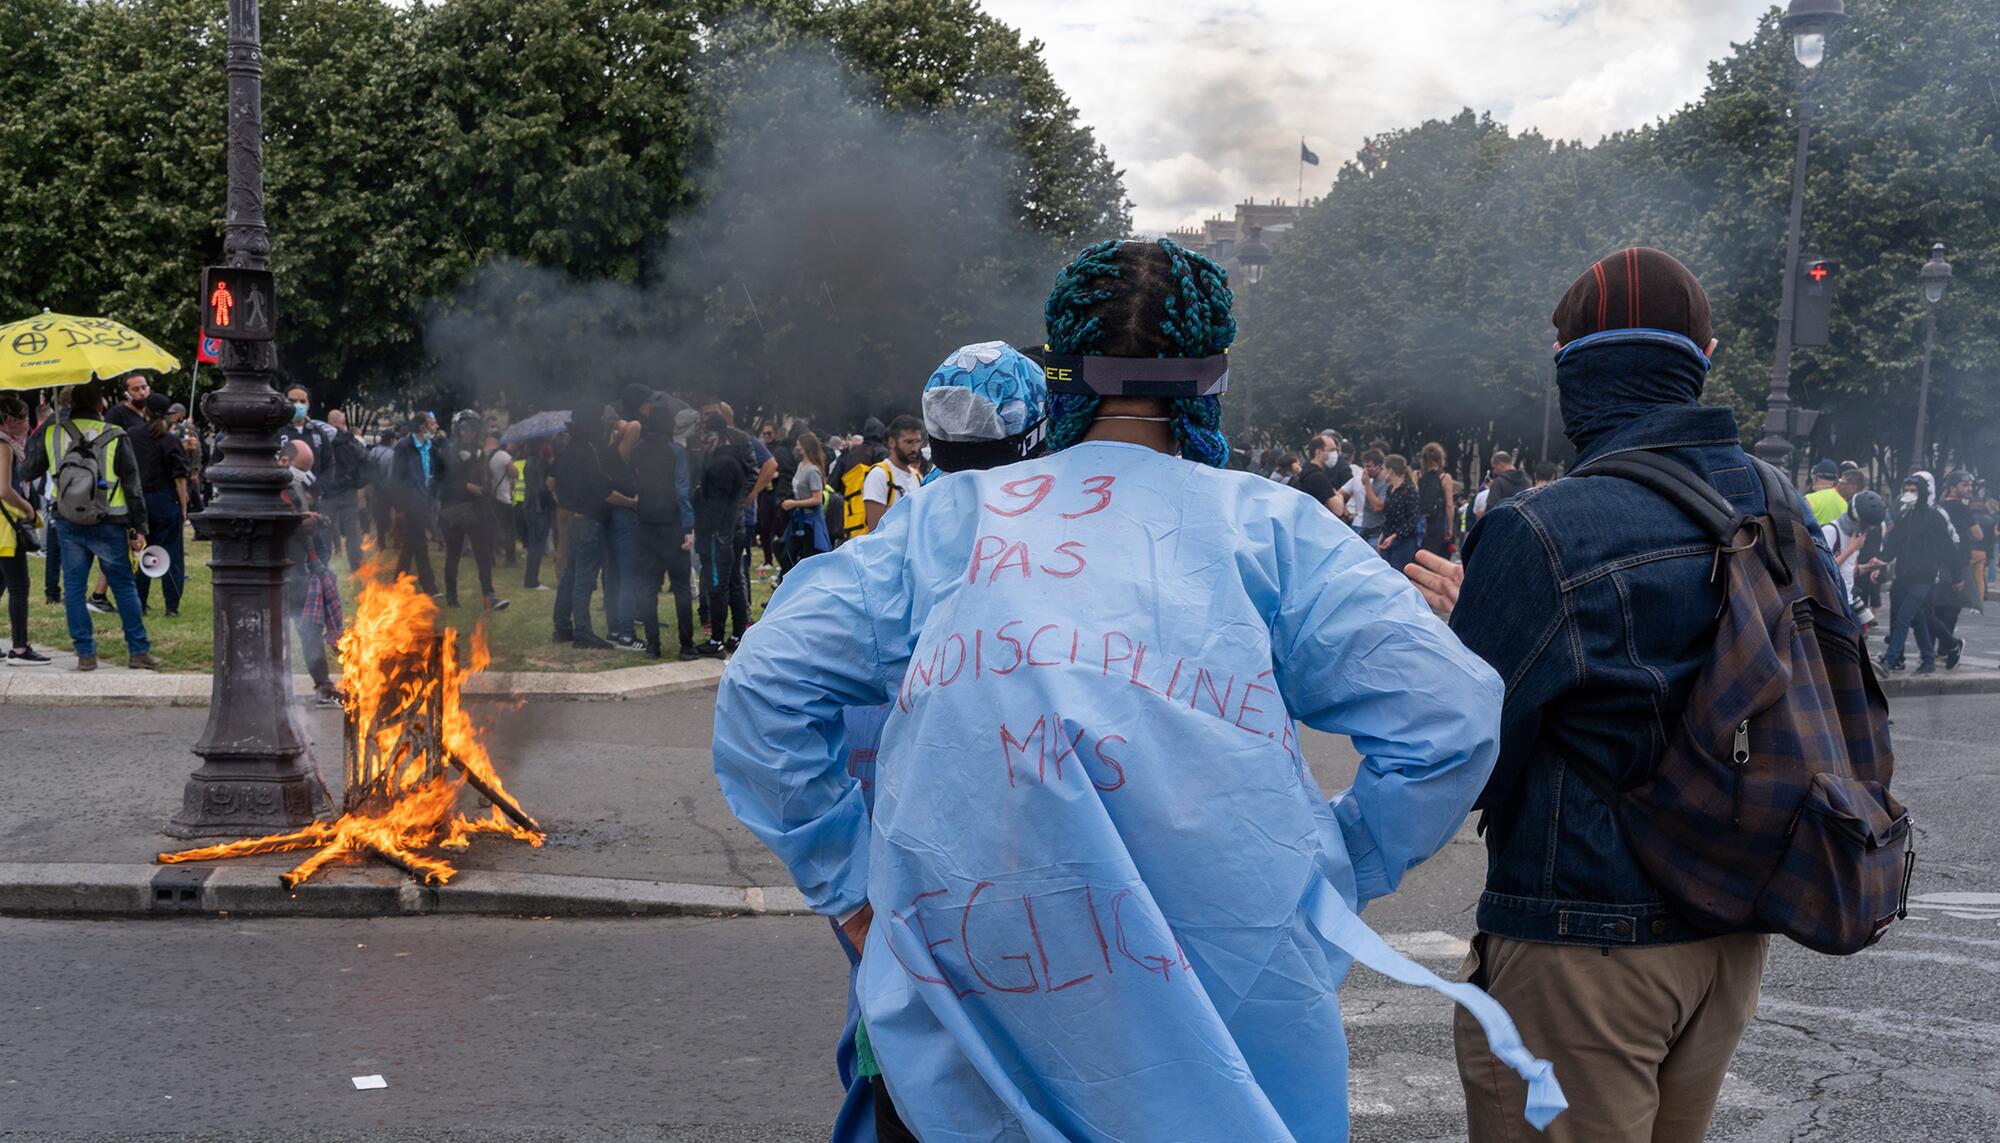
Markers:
1438,495
1848,536
100,512
850,471
896,475
1625,930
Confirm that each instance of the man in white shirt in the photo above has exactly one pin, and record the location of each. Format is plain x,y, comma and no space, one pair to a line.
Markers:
500,478
898,476
1354,494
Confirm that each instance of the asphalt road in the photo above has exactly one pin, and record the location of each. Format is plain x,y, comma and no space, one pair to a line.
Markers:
721,1030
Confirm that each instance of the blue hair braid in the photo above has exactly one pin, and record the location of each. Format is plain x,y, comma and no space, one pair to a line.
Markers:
1070,415
1198,428
1071,325
1095,299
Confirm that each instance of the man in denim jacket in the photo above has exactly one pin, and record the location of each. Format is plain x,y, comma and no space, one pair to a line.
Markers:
1594,600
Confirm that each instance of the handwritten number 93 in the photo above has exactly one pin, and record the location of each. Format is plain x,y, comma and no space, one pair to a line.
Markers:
1033,490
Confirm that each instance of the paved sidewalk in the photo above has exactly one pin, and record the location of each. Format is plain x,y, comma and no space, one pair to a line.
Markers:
626,792
60,684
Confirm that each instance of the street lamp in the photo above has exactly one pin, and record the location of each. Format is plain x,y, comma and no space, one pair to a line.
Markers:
1253,256
1808,22
252,780
1936,276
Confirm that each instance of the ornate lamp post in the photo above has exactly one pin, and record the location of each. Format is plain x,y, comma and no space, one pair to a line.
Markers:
1253,256
1936,276
1808,22
252,780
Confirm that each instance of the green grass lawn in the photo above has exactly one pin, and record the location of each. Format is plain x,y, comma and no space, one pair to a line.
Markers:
519,636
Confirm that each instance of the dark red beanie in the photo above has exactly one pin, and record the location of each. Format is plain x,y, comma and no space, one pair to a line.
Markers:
1637,288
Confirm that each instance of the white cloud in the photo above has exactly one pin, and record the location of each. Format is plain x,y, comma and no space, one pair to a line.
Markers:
1203,102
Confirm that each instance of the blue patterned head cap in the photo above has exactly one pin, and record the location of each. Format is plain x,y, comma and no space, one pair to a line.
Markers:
987,404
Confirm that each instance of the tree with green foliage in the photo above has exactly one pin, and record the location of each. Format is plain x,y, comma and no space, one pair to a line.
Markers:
1413,300
408,148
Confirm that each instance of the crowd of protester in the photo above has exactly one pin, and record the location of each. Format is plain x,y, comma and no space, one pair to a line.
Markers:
658,492
1928,548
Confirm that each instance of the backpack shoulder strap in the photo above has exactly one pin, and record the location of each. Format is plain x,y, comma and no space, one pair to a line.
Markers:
1781,503
1676,484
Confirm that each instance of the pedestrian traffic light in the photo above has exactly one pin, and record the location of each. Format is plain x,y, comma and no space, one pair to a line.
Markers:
238,304
1812,313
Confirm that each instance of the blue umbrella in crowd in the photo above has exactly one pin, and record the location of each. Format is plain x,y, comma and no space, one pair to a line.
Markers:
535,427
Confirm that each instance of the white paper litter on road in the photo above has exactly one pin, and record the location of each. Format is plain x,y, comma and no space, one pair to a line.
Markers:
368,1083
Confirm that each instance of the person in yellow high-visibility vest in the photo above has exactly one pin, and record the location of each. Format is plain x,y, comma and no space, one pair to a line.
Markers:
108,522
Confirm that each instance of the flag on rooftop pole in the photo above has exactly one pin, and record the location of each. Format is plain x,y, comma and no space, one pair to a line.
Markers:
1306,155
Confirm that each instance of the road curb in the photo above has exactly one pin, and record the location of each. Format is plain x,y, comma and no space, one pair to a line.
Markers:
85,890
117,686
1902,686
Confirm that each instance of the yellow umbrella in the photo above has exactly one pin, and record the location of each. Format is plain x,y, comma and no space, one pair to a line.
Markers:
56,349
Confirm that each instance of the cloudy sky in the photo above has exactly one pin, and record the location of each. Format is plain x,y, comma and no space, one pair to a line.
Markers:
1203,102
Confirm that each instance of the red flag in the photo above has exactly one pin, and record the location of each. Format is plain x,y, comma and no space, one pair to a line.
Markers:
208,350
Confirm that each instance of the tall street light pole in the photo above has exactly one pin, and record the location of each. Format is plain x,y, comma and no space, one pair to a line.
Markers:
1253,257
1808,22
1936,276
253,779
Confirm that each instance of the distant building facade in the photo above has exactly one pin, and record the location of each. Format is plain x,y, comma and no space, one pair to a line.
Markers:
1220,238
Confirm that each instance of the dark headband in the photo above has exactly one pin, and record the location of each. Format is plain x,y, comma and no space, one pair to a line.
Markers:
969,456
1165,377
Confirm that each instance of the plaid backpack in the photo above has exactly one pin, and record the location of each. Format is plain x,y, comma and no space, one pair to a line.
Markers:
1770,809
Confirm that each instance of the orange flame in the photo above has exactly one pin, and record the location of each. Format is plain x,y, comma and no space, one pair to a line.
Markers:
395,678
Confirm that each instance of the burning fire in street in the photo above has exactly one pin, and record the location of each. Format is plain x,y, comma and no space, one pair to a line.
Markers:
411,749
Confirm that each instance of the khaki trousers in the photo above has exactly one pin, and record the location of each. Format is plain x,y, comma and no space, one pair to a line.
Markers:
1640,1037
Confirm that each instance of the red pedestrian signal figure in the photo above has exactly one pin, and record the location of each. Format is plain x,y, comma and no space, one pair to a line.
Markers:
238,303
221,301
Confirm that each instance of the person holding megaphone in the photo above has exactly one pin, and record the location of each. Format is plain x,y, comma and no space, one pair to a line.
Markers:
163,477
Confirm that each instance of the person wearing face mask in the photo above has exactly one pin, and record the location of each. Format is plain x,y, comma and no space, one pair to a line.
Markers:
1925,550
317,434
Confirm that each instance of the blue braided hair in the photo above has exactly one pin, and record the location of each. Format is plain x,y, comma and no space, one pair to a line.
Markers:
1141,299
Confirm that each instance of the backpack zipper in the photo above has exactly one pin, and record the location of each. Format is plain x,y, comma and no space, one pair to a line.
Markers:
1741,756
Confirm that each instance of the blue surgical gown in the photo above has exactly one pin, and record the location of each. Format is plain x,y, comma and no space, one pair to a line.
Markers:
1096,846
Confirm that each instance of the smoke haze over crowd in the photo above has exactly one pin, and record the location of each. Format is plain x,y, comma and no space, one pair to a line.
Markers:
840,252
